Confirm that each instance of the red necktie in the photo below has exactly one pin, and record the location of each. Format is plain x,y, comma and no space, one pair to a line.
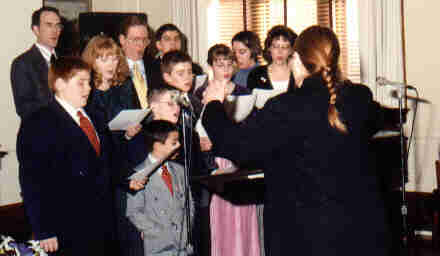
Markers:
166,176
88,129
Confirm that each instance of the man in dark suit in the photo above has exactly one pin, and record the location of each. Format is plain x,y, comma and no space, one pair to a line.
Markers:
63,168
134,39
29,70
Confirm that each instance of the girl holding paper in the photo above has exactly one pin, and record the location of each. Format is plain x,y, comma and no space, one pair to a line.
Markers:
110,73
276,77
234,228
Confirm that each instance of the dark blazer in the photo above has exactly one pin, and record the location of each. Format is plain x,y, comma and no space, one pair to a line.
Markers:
321,196
106,105
259,78
65,184
29,82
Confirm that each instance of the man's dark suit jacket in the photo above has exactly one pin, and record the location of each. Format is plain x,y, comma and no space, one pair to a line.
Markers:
65,184
29,82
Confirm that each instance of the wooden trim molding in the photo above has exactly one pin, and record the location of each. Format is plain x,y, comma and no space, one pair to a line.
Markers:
14,223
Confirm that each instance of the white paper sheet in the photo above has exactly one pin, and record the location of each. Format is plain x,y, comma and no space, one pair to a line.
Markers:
127,118
262,96
200,80
150,169
239,107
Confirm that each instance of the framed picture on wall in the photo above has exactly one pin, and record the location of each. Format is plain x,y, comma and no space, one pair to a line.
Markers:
70,9
69,43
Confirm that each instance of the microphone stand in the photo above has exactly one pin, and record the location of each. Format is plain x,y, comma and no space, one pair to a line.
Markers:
403,166
187,138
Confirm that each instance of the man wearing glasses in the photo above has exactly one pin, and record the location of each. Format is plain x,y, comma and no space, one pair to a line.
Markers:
29,70
134,39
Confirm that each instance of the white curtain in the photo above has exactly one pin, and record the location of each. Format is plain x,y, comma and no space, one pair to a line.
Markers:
380,39
186,16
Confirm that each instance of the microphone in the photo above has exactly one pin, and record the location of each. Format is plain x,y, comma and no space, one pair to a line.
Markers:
382,81
183,100
180,98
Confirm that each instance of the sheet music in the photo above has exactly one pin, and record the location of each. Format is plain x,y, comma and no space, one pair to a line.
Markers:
240,106
237,107
262,96
150,169
200,80
199,127
127,118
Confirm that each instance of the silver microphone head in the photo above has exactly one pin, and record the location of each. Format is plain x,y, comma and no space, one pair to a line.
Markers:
180,98
381,80
183,100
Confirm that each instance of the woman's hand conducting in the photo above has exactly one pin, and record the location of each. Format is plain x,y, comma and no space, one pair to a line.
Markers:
216,90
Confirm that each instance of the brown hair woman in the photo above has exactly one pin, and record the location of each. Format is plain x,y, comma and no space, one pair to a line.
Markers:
321,197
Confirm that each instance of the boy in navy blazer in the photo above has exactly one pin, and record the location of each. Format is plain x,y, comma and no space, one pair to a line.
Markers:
62,168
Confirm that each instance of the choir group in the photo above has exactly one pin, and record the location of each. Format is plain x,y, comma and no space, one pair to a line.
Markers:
295,116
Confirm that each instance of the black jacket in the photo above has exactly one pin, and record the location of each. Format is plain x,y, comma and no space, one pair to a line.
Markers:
259,79
320,190
30,82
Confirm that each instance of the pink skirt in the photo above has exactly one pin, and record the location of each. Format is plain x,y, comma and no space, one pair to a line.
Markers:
234,228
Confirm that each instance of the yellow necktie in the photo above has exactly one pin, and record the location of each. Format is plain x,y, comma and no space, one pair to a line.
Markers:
141,86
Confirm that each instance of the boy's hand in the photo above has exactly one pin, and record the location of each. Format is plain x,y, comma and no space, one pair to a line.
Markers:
205,144
133,130
137,184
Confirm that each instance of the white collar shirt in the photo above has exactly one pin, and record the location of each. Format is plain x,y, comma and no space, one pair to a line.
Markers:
140,64
45,52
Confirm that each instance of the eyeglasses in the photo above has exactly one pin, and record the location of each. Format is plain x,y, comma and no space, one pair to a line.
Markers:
144,40
169,103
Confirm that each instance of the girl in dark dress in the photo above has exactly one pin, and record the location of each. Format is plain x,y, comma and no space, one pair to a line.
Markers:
275,78
110,73
247,48
234,228
321,196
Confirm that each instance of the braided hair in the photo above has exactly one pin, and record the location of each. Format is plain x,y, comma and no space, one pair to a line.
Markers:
318,49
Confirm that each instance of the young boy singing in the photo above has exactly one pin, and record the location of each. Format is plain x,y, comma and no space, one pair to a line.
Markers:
160,211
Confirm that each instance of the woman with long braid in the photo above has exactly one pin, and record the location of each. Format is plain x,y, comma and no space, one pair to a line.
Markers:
321,196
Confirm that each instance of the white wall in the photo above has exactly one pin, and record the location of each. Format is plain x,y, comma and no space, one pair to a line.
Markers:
423,67
17,38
